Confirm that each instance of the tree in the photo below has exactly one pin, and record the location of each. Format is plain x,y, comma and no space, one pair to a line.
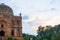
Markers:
27,36
56,37
10,38
45,34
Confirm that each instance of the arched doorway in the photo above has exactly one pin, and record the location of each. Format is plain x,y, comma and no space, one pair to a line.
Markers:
2,33
12,33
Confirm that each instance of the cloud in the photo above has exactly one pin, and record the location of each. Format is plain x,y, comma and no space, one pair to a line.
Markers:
54,20
46,10
35,27
14,0
52,1
28,19
43,22
25,17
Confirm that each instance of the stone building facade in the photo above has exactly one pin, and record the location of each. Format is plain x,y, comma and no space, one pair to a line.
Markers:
10,25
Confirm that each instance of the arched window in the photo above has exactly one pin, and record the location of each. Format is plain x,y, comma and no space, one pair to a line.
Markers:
2,25
12,33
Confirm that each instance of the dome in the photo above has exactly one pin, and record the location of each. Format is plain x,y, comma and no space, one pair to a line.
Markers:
5,9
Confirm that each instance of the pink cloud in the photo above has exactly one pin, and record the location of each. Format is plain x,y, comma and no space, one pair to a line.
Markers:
49,21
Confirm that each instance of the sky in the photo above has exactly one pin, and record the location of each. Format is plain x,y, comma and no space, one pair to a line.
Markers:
35,13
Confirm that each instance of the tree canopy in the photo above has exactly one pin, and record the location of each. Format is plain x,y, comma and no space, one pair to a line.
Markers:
45,33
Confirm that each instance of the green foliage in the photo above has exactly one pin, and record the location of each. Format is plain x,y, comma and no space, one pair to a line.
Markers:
10,38
27,37
50,33
47,33
56,37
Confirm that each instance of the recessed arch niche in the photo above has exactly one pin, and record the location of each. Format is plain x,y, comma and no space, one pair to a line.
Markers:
3,24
